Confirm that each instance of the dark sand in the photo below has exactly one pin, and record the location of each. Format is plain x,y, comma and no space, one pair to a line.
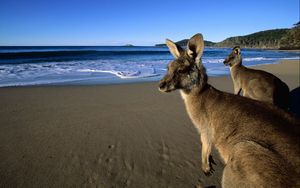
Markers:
105,136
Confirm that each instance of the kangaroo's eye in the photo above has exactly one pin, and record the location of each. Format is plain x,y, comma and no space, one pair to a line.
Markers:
181,70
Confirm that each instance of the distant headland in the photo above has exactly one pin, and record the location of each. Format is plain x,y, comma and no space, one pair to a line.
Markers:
282,39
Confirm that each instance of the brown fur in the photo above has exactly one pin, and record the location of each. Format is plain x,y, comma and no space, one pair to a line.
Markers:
258,142
256,84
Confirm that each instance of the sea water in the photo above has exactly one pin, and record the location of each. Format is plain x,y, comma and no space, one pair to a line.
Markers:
67,65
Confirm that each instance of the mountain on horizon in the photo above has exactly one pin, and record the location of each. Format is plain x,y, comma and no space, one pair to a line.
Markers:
287,39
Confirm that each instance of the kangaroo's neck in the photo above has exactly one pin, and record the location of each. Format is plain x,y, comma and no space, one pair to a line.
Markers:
236,63
195,92
236,69
196,103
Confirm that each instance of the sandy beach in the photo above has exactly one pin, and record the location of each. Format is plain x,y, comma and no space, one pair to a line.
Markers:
128,135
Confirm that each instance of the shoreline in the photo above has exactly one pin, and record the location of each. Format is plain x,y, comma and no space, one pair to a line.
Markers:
118,81
125,135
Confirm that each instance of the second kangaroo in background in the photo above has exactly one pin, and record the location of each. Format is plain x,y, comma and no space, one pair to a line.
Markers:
256,84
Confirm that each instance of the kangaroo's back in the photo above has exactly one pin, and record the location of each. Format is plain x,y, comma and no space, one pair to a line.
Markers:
262,122
281,94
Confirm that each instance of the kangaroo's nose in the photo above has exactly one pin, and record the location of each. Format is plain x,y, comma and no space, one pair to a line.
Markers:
162,85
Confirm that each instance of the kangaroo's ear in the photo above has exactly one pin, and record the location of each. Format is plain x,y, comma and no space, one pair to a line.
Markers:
195,47
237,50
175,49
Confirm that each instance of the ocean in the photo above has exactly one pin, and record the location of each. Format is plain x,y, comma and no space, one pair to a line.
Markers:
84,65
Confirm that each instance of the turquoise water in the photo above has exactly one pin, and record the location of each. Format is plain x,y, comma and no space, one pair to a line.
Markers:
108,64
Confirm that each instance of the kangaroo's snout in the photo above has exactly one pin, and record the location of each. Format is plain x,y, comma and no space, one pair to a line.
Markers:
165,86
226,62
162,85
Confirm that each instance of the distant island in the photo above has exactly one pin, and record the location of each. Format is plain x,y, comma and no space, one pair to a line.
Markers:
283,39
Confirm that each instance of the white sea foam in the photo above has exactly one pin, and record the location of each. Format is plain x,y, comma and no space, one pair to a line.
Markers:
123,74
219,60
258,59
59,72
83,70
247,59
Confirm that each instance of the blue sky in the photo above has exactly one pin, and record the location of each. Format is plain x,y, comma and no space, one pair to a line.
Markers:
138,22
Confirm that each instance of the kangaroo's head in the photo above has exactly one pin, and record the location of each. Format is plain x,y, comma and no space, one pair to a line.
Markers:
186,70
234,57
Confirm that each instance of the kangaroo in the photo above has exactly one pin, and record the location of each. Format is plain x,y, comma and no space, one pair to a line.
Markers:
256,84
258,142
